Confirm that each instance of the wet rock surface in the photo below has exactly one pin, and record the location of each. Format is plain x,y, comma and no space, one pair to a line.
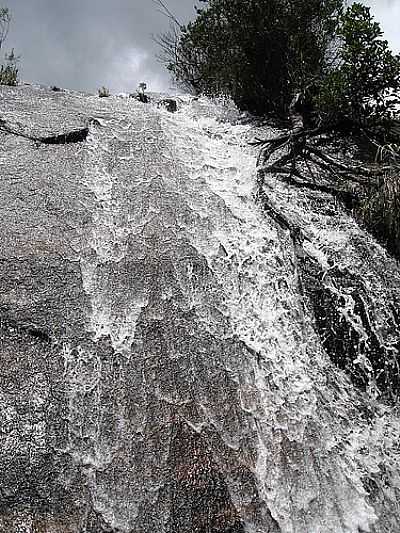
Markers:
174,358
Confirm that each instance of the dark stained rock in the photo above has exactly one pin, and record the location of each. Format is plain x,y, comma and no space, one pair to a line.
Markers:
170,105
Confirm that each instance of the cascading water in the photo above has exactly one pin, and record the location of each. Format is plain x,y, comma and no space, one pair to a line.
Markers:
201,393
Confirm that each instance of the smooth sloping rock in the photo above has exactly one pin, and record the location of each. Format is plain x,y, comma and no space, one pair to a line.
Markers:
164,366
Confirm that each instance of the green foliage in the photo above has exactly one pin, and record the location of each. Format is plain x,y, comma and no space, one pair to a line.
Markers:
330,98
257,51
369,67
261,52
366,74
9,71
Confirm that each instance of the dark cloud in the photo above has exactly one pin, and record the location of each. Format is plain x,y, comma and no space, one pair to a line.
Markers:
84,44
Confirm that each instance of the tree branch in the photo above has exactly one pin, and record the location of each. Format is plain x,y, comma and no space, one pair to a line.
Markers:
164,10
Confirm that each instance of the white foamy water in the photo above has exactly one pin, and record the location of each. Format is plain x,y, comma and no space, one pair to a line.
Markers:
198,292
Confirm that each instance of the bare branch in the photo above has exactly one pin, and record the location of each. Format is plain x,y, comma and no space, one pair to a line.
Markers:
5,19
164,10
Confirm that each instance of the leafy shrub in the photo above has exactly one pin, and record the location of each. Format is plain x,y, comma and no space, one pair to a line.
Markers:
262,52
103,92
361,86
142,87
9,71
8,76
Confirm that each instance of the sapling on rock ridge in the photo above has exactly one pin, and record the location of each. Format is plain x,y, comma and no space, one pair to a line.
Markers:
142,96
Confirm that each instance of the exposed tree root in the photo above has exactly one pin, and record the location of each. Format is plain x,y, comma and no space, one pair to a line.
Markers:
322,160
303,145
287,154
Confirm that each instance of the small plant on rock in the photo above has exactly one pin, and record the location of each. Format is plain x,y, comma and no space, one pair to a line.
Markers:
9,71
104,92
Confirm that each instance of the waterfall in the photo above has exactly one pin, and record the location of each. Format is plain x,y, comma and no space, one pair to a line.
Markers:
207,389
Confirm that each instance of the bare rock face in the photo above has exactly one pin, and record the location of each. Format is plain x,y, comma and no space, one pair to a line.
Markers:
172,358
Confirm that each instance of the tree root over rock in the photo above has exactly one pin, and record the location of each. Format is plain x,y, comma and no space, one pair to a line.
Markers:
301,146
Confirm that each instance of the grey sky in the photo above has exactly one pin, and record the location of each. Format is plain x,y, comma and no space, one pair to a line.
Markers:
84,44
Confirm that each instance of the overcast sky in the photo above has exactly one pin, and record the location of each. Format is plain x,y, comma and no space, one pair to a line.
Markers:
84,44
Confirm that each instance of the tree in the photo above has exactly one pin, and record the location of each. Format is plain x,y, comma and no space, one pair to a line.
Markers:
362,88
259,52
370,70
